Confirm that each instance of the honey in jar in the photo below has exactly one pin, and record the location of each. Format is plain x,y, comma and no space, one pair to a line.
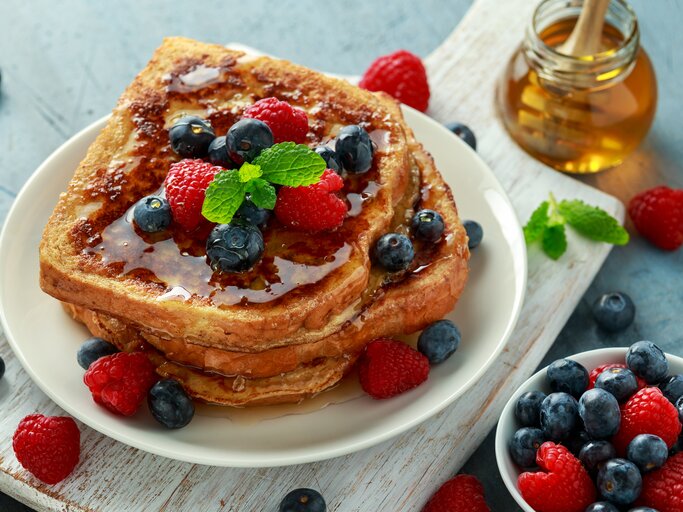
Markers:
578,114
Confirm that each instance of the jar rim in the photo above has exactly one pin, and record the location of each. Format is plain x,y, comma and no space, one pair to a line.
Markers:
623,50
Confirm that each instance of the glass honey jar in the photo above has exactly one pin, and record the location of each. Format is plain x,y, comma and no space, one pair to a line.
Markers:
578,114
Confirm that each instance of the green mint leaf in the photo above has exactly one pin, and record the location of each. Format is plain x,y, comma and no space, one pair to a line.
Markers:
249,172
223,197
554,241
262,193
287,163
537,223
593,222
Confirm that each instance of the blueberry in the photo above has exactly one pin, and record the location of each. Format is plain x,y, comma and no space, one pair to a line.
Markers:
559,416
600,413
648,452
234,247
602,506
303,500
246,139
251,213
427,225
475,233
355,149
152,214
595,453
524,445
614,311
679,406
619,481
528,408
331,158
439,341
218,153
621,382
673,388
642,509
576,441
464,132
647,360
92,349
169,404
190,137
394,252
2,367
567,376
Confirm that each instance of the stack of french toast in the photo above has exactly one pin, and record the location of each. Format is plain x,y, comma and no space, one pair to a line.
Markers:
293,325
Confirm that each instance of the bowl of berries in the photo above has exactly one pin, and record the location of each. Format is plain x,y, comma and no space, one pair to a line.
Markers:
599,431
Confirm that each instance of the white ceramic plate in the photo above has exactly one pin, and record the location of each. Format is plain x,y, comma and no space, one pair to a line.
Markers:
45,339
507,425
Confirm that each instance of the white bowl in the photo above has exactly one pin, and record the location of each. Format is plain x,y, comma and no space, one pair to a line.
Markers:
508,425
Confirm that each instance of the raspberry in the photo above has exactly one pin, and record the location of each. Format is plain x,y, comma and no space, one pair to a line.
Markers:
120,382
286,122
312,208
565,487
389,368
400,74
658,216
47,446
186,184
647,412
596,373
464,493
663,489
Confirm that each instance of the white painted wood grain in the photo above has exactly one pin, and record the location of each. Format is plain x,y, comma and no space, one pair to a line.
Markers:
398,475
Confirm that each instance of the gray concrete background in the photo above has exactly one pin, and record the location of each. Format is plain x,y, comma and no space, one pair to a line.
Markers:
64,65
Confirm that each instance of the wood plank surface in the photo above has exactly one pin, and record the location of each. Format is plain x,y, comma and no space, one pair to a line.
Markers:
400,474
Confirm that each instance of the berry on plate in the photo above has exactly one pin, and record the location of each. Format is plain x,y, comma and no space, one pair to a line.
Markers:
647,412
152,214
658,216
218,153
620,382
427,225
303,500
234,247
169,404
439,341
331,158
595,453
186,184
524,445
388,368
672,388
559,416
286,122
252,214
314,207
463,493
246,139
562,485
614,311
47,446
619,481
663,489
400,74
120,382
600,413
92,349
475,233
190,137
648,361
648,452
463,131
602,506
567,376
355,149
593,377
394,251
528,408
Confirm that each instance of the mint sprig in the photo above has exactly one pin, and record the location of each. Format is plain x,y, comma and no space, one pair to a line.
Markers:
286,163
547,225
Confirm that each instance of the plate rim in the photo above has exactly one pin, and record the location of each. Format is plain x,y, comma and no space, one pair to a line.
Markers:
292,457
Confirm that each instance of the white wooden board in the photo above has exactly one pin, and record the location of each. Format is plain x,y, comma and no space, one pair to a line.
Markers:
401,474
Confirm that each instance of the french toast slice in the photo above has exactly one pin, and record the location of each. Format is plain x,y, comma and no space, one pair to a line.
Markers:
91,256
402,305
